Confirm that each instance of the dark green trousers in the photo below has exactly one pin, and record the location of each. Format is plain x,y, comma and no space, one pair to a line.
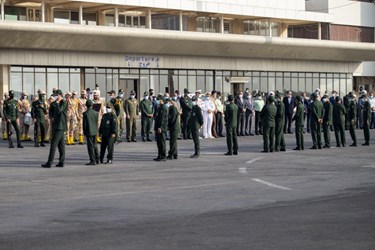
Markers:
316,133
131,128
279,135
268,138
186,132
160,141
366,131
40,126
107,143
58,141
16,129
232,142
340,133
173,143
195,135
299,137
326,134
92,148
146,123
352,131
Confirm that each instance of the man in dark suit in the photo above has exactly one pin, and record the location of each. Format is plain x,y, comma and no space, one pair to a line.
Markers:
90,129
305,102
289,107
241,114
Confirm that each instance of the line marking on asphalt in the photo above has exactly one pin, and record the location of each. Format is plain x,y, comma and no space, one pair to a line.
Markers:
243,170
271,184
371,166
254,160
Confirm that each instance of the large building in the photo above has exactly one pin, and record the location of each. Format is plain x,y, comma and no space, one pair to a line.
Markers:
227,45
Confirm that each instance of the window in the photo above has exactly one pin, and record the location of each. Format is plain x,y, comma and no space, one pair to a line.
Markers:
61,16
15,13
207,24
89,18
261,28
109,20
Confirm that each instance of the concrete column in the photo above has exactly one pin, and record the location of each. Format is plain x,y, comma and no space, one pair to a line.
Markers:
270,27
149,20
320,31
81,15
4,79
2,10
116,17
222,24
43,10
181,22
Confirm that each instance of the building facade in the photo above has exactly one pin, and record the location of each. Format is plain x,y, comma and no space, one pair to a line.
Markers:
167,45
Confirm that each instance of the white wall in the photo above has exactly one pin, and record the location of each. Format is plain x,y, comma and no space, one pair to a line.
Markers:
317,5
365,69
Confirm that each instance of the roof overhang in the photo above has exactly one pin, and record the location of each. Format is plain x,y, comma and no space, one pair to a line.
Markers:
50,36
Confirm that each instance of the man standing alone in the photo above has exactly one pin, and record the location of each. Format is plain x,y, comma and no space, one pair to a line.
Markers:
267,115
231,116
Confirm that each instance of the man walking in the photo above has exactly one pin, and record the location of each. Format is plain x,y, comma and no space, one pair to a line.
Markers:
90,129
231,116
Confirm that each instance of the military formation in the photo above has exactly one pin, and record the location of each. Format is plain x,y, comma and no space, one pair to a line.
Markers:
67,119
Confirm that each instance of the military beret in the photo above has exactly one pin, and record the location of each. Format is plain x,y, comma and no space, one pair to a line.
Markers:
298,98
89,103
59,92
160,97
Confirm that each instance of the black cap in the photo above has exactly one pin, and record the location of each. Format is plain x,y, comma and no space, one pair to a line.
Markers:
186,91
111,92
298,98
230,98
120,91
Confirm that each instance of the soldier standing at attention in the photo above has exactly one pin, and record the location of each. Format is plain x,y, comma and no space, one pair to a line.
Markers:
81,109
174,127
186,105
366,119
99,107
299,117
267,115
316,111
231,119
10,109
108,133
147,113
3,121
279,124
24,110
58,130
195,123
131,111
327,121
38,112
90,129
339,113
352,104
161,126
118,105
71,119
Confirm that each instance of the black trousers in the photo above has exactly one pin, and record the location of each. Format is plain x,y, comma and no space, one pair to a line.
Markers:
248,122
92,148
107,143
42,127
173,143
340,133
185,125
288,122
240,122
258,122
15,126
162,148
58,141
219,123
195,135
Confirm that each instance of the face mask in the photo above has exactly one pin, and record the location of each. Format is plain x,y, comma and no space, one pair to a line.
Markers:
108,110
121,95
350,99
371,97
324,100
194,103
145,97
166,105
132,96
179,96
25,97
110,97
174,98
240,96
157,102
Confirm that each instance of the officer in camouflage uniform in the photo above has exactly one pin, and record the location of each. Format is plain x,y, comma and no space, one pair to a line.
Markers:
316,114
38,113
174,127
147,113
81,109
3,121
131,110
10,109
24,109
299,118
195,124
160,127
90,129
279,124
108,132
231,120
268,115
339,113
352,114
327,121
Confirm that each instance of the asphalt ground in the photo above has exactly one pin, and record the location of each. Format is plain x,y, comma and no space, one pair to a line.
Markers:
311,199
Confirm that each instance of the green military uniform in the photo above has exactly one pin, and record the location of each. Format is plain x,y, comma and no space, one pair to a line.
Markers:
10,109
339,113
174,130
299,118
38,112
186,106
195,123
161,127
231,120
346,105
327,122
366,121
316,117
352,114
147,112
268,115
131,111
90,130
58,130
108,131
279,126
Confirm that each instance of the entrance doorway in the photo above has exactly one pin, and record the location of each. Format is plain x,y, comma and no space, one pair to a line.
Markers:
237,87
128,85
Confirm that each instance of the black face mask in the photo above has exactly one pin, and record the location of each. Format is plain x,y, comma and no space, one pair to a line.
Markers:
11,96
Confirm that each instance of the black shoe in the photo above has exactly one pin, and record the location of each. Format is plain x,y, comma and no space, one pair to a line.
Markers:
134,140
303,148
157,159
194,156
242,134
149,140
283,150
60,165
251,134
366,144
256,133
228,153
167,139
46,165
189,138
36,146
97,162
314,147
353,145
343,145
19,146
246,134
11,146
144,140
264,151
162,159
271,150
91,163
277,150
338,146
108,162
326,146
128,140
297,148
179,138
42,145
101,161
169,157
319,147
235,153
290,132
175,157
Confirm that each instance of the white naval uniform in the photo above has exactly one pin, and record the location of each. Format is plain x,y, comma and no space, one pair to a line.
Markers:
208,108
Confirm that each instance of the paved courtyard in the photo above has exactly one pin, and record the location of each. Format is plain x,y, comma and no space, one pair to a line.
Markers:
313,199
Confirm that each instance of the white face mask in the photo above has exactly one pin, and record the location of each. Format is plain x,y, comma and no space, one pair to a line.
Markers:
108,110
132,96
174,98
240,96
193,103
121,95
145,97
